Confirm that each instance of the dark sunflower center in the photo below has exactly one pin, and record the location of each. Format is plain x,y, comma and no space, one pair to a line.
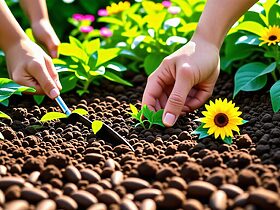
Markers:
221,120
272,38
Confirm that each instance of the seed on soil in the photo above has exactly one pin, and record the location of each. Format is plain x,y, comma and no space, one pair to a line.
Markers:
6,182
33,194
46,204
146,193
90,175
117,178
231,190
128,204
218,200
264,199
17,205
97,206
109,197
72,174
83,198
200,189
148,204
170,199
66,202
133,183
192,204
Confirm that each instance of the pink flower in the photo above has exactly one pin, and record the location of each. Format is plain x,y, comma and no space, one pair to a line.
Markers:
77,16
174,10
89,17
81,17
102,12
166,4
86,29
106,32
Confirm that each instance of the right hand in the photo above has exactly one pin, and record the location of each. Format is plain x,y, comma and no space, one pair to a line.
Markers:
29,65
184,80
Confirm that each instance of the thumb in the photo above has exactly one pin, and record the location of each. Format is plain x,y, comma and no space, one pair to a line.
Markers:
177,98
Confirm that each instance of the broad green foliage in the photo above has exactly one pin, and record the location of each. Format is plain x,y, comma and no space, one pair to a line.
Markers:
9,87
148,30
82,63
146,116
255,40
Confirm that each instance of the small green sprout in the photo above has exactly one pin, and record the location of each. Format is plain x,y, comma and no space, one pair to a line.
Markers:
145,115
95,126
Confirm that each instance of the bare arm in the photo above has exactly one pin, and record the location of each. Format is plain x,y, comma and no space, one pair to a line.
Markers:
37,13
219,16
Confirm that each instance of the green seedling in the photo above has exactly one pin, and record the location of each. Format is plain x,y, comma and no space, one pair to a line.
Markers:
8,88
146,116
95,126
5,116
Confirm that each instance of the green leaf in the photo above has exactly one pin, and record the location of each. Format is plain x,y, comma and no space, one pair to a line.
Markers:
96,126
275,96
1,136
92,46
202,132
82,92
274,14
148,113
152,61
75,41
228,140
252,76
110,20
157,118
72,50
155,20
115,66
115,78
133,109
253,27
3,115
248,39
68,82
53,116
80,111
38,99
93,60
105,55
185,6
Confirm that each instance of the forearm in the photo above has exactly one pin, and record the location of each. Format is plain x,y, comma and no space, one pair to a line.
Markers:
36,10
10,30
218,17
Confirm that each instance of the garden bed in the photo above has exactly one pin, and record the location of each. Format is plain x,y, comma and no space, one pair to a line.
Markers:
64,165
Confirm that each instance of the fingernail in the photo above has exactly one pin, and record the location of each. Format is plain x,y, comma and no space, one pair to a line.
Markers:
53,54
54,93
169,119
58,84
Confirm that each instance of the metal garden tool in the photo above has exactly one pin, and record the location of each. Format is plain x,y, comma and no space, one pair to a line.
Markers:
106,132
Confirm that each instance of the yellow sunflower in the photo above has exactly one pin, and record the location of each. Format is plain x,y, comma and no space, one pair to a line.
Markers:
271,35
117,8
221,118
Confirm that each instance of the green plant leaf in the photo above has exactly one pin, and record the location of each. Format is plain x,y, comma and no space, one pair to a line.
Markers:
251,26
228,140
75,41
93,60
252,76
202,132
157,118
115,78
53,116
68,82
80,111
115,66
1,136
92,46
105,55
3,115
275,96
38,99
152,61
110,20
96,125
82,92
68,49
9,87
148,113
185,6
133,109
248,39
274,14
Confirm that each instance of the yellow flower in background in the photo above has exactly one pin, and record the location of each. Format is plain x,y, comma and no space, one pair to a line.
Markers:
221,118
271,35
117,8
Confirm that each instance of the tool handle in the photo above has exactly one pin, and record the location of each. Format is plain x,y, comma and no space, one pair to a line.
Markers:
62,105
